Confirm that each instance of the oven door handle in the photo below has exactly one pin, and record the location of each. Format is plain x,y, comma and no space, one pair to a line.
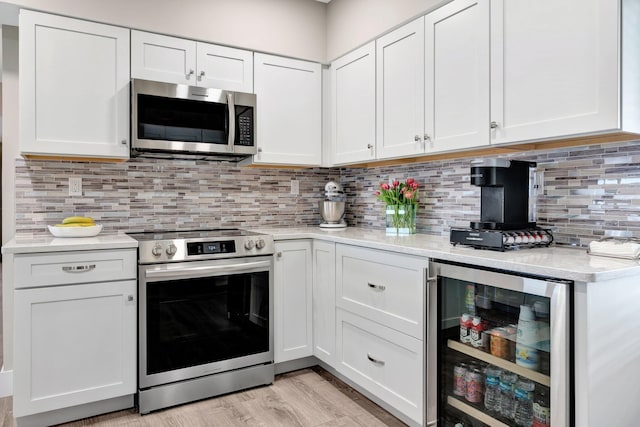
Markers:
206,270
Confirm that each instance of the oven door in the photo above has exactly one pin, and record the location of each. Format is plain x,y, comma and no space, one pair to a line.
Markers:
204,317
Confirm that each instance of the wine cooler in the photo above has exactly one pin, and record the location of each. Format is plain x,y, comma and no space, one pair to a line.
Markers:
499,349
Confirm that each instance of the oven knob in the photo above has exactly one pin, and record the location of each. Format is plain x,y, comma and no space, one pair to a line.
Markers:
157,250
249,244
260,244
172,249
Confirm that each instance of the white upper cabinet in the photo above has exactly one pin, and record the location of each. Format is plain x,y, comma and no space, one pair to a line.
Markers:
181,61
353,96
554,68
400,91
457,76
74,87
289,111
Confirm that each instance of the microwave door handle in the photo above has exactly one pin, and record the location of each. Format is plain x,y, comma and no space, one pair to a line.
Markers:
232,120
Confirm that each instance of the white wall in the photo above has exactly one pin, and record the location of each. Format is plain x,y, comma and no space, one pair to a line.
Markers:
352,23
294,28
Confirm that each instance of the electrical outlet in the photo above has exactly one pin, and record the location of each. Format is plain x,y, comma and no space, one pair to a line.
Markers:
75,186
295,187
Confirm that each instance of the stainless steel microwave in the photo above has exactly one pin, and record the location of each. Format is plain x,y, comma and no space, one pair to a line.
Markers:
174,120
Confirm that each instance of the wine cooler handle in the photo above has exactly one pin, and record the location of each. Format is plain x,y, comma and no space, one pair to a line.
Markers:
432,347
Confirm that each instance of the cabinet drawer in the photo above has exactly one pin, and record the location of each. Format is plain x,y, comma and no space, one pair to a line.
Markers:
385,287
387,363
62,268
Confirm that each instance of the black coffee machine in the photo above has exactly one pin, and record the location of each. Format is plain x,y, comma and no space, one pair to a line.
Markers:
505,186
507,220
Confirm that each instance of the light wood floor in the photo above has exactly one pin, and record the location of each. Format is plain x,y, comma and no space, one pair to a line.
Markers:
309,397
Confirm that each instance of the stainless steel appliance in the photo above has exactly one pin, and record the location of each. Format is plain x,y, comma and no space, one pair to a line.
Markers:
517,344
332,207
508,192
173,120
205,314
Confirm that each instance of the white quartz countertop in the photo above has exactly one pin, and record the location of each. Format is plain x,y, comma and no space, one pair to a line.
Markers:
22,245
554,262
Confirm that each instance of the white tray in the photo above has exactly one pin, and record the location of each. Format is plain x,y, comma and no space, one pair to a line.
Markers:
91,231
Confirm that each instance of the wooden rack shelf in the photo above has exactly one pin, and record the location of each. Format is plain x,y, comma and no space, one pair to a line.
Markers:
475,413
501,363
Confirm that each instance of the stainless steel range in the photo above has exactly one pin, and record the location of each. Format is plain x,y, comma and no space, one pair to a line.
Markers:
205,314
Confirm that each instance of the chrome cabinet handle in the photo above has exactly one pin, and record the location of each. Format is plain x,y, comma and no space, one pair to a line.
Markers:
377,287
190,73
494,125
374,360
279,255
201,74
123,142
369,146
78,268
417,138
129,298
259,150
427,137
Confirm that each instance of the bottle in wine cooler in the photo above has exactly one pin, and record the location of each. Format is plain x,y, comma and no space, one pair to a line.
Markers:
466,321
470,299
507,396
523,412
492,389
541,409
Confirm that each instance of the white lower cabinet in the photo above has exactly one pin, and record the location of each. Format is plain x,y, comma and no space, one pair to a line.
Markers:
293,335
74,344
387,363
380,333
324,301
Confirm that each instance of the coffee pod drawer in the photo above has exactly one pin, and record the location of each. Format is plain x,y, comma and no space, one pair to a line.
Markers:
64,268
387,363
386,287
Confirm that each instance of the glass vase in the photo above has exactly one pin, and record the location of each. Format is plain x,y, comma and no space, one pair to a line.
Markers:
401,219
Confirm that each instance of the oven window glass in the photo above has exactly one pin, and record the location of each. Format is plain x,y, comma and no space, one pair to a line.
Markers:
198,321
175,119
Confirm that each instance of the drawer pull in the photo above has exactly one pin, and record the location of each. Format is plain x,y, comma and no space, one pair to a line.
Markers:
78,268
377,287
374,360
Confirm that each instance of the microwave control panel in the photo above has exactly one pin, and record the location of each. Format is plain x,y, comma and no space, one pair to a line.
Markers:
244,128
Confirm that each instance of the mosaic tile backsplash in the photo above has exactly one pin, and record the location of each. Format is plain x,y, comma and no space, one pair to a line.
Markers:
586,191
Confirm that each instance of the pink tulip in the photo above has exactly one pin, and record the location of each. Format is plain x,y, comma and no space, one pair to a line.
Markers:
408,195
410,181
414,185
377,193
384,186
396,183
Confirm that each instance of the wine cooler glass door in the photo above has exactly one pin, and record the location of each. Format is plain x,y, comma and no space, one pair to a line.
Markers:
501,346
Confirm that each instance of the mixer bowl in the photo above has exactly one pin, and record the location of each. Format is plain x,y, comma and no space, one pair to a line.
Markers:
331,211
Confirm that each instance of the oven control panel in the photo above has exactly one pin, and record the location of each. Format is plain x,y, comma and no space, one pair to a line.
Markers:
210,248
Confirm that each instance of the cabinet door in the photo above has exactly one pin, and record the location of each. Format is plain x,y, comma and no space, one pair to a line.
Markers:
554,68
74,87
353,93
293,335
457,76
73,345
324,301
386,363
163,58
400,91
289,111
225,68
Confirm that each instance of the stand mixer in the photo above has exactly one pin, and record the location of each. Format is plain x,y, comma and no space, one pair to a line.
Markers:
332,207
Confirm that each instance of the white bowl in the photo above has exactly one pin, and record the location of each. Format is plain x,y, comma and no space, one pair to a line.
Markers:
91,231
